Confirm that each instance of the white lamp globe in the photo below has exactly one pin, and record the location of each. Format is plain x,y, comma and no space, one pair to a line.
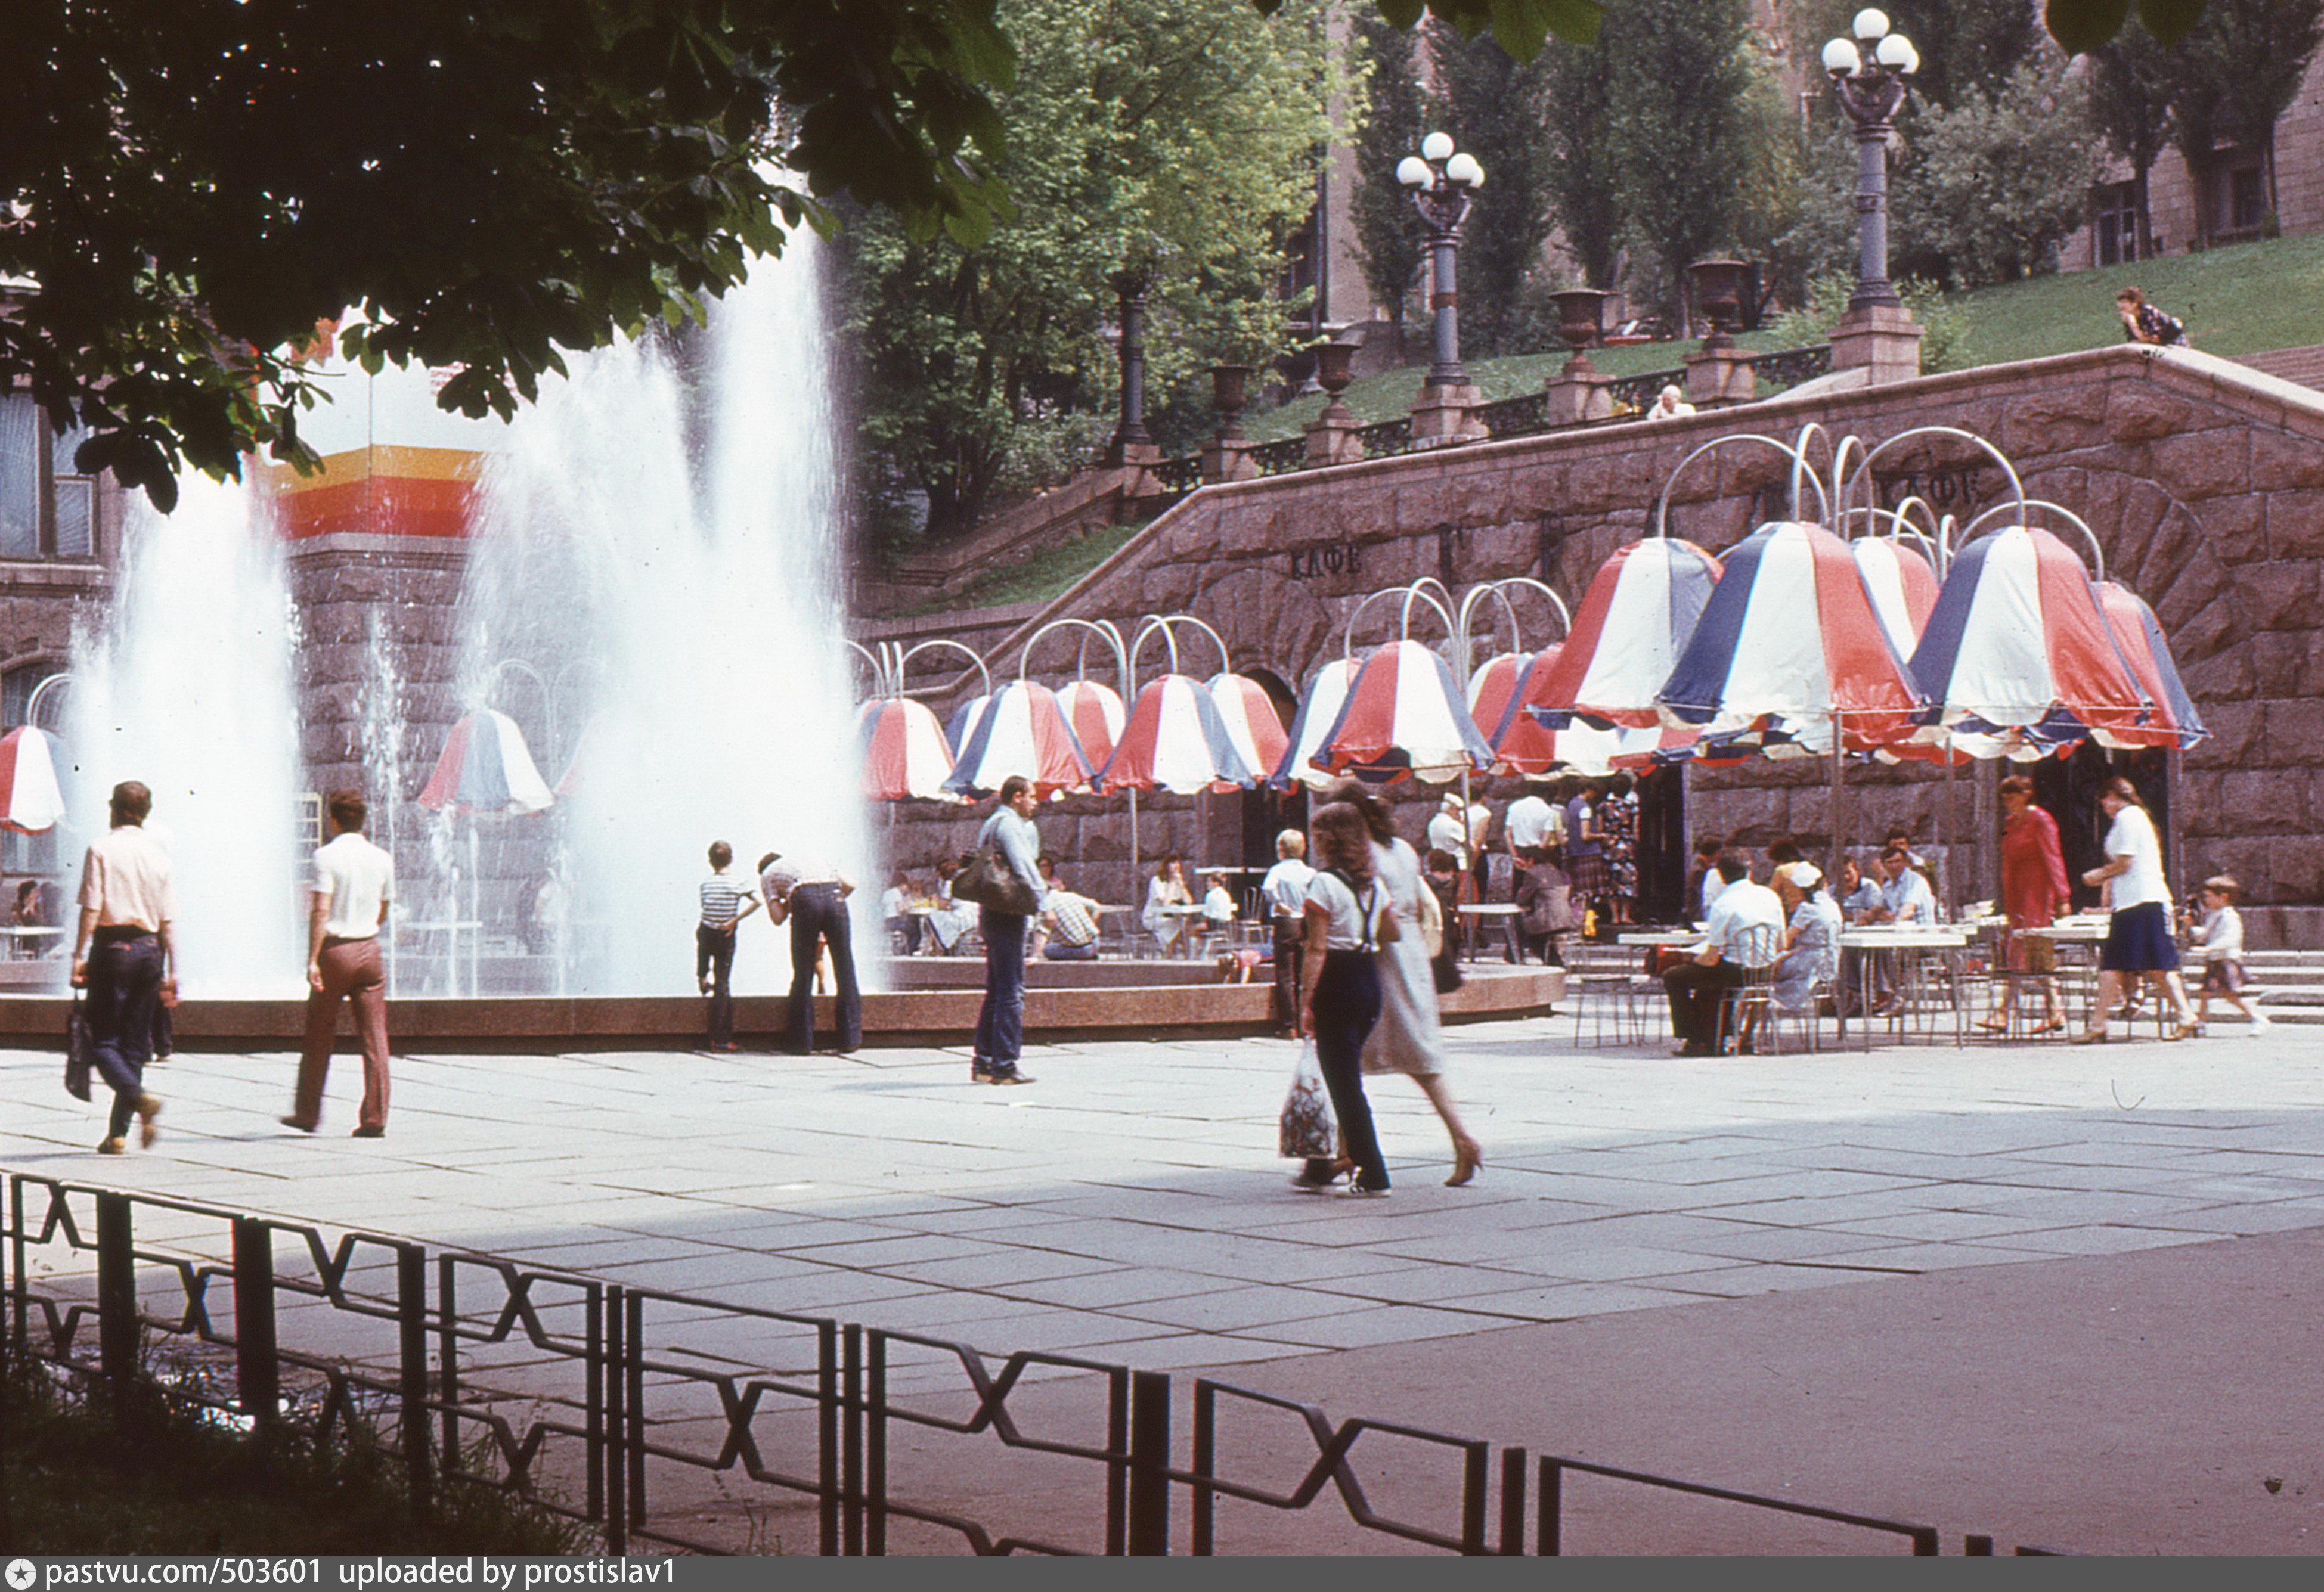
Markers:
1463,170
1870,23
1412,172
1893,51
1912,60
1437,146
1840,58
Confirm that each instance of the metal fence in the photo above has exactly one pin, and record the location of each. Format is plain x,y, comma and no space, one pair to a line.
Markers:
625,1407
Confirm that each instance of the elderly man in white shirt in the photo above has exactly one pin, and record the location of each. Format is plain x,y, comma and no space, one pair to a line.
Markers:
1529,820
1746,930
1284,890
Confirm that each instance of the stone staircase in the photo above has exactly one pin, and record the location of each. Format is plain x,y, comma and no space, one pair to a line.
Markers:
2290,984
2303,365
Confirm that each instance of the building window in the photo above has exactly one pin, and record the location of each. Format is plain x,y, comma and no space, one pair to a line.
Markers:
2247,200
2115,223
47,510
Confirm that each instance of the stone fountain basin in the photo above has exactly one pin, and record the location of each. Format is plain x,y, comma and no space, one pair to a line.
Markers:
1125,1000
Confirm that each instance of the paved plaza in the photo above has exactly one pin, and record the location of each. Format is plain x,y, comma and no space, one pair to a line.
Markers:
1129,1206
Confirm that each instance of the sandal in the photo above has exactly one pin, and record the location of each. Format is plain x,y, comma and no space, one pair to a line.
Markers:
2054,1026
2000,1027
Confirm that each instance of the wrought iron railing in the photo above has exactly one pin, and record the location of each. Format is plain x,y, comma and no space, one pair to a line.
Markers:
588,1395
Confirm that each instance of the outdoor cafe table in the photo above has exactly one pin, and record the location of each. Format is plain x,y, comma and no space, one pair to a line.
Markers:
2085,930
1912,946
1486,911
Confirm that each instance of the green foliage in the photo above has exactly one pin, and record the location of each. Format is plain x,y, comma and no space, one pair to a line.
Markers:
1678,74
1578,159
1967,46
1944,322
1387,127
1997,183
145,1471
196,184
2081,25
1176,138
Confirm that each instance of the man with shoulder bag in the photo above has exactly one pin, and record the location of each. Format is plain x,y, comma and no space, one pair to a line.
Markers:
1006,872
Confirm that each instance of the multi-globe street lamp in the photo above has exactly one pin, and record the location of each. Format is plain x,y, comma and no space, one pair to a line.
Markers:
1869,73
1442,181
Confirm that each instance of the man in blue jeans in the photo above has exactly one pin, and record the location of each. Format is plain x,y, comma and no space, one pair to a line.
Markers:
813,898
1000,1020
123,958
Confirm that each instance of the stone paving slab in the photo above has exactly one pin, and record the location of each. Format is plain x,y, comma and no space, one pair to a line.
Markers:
1130,1206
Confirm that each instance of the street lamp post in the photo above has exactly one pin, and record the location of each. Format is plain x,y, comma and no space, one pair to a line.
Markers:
1132,443
1867,75
1442,181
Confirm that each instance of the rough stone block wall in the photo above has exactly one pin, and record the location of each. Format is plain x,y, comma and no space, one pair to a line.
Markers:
2204,482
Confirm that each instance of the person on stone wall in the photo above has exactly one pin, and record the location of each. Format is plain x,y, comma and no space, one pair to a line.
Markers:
354,882
2142,323
123,955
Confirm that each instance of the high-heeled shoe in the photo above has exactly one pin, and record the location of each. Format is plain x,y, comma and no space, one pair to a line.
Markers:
1467,1157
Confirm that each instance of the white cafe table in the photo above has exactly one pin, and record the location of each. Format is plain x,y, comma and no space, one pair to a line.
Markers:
1918,942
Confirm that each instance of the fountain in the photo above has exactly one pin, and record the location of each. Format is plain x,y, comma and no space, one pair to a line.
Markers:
186,687
655,553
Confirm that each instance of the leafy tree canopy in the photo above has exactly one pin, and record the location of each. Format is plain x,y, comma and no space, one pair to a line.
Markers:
1179,139
193,185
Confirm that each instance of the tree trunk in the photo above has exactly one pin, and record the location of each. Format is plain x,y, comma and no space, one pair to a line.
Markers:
2143,220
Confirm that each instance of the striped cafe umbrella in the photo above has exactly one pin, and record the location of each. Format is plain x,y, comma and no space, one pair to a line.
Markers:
1023,730
1901,584
905,758
1633,623
2017,659
1404,717
1096,713
30,801
1522,744
1176,741
1788,648
2138,635
963,722
485,769
1251,720
1318,710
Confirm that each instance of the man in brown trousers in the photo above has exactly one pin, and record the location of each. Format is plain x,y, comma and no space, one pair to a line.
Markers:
354,882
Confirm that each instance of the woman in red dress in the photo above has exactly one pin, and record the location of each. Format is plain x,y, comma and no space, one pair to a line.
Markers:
2033,893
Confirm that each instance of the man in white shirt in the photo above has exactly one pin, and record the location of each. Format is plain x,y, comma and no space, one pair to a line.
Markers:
814,895
1904,896
1284,890
1448,832
354,882
122,956
1746,930
1528,821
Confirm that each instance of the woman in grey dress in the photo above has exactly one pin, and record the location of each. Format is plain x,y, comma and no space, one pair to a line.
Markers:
1407,1039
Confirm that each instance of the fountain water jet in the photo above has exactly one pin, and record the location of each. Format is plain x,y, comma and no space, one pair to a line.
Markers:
186,687
658,545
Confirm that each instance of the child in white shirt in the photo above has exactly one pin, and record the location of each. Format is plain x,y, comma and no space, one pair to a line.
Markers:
2219,942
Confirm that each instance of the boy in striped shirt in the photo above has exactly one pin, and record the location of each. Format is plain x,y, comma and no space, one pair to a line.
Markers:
725,902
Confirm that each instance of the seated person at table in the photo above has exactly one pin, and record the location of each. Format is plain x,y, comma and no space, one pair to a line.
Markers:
951,920
1812,942
1703,883
1166,889
1218,911
1745,931
895,912
1905,898
1068,922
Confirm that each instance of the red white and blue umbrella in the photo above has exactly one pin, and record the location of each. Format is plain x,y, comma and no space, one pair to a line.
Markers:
1096,713
1251,720
485,769
1901,584
1789,645
1023,730
2138,635
1633,623
1522,744
1176,741
1404,717
2017,657
905,758
1318,710
963,722
30,801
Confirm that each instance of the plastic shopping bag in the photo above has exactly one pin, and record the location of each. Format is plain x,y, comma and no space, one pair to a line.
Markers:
1307,1130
